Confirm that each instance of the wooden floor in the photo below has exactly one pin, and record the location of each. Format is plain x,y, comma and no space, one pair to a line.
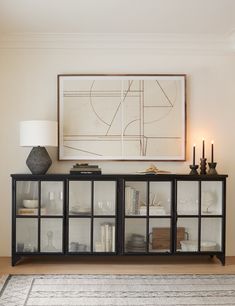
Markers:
118,265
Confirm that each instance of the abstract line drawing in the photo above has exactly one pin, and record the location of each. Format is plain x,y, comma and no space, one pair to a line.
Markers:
121,117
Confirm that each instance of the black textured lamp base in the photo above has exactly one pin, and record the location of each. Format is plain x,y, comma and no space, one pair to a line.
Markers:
212,170
202,166
193,169
38,160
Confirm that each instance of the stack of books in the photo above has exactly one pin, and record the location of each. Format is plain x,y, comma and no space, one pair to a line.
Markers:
132,201
85,169
107,238
31,211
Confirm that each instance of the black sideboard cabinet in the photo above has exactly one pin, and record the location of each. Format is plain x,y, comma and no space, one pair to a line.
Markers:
165,214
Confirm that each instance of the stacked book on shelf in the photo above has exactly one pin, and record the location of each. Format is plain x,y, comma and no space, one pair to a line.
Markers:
85,169
132,201
30,211
107,233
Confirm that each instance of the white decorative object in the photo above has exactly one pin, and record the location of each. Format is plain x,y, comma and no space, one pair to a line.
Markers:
209,200
50,247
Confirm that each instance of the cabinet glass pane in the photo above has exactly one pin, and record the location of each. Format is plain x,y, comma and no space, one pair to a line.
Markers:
135,235
159,235
51,198
187,234
136,198
27,198
27,235
211,234
187,198
104,197
79,235
51,235
160,198
211,198
80,197
104,233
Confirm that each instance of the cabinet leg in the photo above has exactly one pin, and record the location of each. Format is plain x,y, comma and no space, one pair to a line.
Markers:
221,258
15,259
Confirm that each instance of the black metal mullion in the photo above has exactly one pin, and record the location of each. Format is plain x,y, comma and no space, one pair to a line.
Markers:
199,213
173,216
147,217
223,235
65,216
39,216
123,214
13,233
119,217
92,216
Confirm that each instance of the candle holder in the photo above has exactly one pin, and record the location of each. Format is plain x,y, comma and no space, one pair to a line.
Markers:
212,170
193,169
203,166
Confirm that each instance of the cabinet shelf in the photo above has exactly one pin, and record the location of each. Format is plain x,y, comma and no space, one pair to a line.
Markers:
118,214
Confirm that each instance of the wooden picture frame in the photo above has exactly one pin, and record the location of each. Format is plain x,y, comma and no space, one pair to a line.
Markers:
122,117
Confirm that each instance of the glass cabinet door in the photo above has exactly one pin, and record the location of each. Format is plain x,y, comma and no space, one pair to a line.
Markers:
211,234
51,235
187,235
51,198
92,216
79,235
160,198
211,198
187,197
27,202
136,198
104,235
105,198
80,195
26,235
160,236
135,235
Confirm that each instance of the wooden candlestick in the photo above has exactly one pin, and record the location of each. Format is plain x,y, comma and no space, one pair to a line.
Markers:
212,151
194,155
203,148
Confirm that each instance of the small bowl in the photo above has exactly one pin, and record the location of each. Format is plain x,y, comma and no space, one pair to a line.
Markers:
30,203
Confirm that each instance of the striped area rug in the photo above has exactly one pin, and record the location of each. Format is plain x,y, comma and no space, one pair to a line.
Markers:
67,290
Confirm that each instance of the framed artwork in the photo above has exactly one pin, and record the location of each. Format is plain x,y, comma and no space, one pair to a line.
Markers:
122,117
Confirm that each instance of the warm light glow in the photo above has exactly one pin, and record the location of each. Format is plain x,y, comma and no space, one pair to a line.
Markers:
212,141
194,145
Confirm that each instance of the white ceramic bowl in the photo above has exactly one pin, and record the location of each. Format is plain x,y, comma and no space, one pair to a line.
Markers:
30,203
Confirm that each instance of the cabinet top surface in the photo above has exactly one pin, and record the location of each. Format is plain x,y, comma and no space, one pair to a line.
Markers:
168,176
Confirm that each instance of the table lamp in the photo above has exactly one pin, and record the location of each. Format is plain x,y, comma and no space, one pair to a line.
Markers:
38,134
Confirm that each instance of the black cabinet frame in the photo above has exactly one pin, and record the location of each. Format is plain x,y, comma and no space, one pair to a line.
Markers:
119,216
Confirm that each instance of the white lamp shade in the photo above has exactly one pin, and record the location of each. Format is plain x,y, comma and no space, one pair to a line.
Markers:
38,133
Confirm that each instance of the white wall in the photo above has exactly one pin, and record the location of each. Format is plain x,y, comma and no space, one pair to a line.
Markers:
28,90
